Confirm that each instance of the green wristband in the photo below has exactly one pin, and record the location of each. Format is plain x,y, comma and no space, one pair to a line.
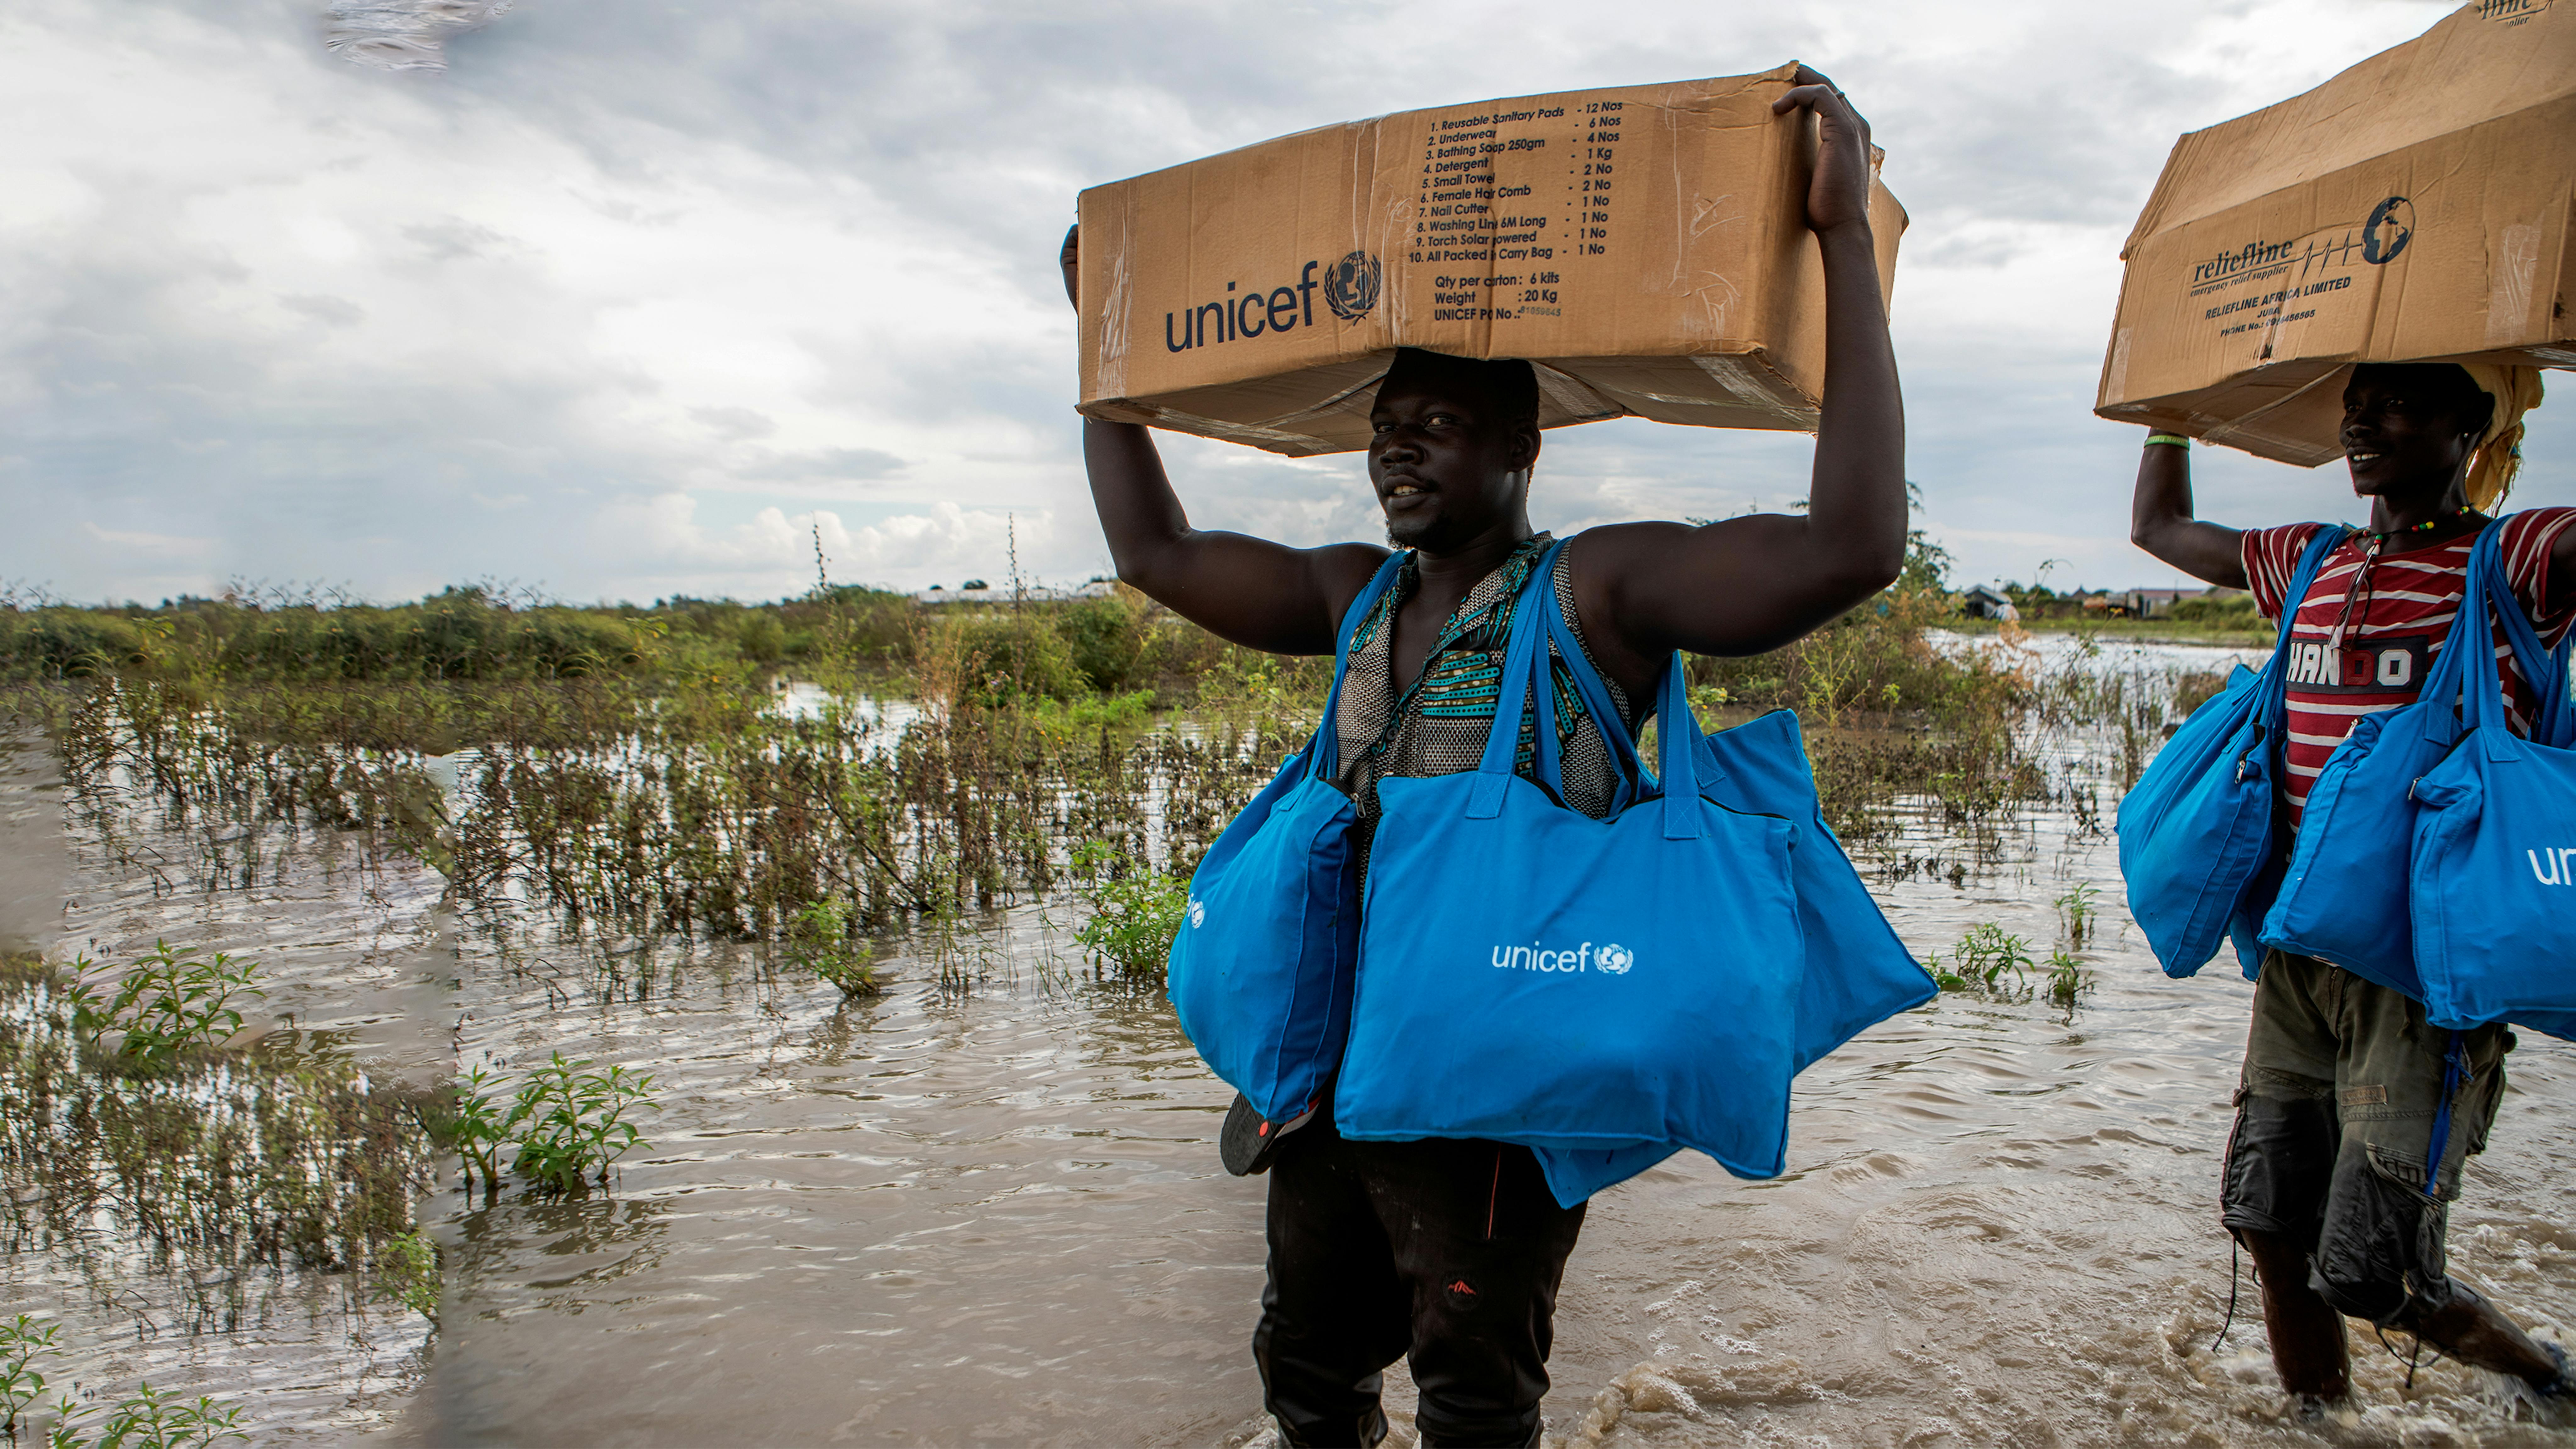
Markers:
2174,439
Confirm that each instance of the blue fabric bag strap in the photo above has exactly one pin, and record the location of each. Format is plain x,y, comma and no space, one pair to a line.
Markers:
2276,702
1520,657
1324,756
2545,669
1634,780
2487,605
1677,734
2455,1075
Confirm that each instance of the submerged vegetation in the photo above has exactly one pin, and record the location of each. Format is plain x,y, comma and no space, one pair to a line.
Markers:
951,760
565,1125
282,1153
166,1005
144,1419
850,782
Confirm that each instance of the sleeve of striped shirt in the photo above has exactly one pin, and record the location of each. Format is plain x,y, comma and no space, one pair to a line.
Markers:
2271,558
2528,537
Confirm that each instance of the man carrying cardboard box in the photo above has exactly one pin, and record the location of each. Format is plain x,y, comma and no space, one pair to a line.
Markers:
1450,1252
2339,1108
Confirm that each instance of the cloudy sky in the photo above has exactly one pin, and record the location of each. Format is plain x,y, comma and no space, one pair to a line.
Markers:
634,293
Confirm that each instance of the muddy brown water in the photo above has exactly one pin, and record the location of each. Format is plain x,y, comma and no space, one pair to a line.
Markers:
985,1207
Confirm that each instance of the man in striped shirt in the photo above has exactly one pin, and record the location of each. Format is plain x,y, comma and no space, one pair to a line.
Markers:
2343,1078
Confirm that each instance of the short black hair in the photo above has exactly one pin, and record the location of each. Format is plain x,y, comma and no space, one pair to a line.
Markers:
2446,383
1509,383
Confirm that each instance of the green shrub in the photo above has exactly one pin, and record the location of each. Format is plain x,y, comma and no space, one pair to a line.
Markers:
571,1124
1981,962
2067,978
22,1341
819,941
407,1273
2233,611
147,1420
1106,640
144,1419
1135,910
167,1004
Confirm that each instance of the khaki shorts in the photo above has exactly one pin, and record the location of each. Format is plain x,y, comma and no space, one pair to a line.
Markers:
2335,1117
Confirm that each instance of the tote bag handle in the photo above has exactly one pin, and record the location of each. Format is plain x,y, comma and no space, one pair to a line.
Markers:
1677,732
1511,704
1324,756
2276,703
1632,782
1635,781
2490,597
2544,669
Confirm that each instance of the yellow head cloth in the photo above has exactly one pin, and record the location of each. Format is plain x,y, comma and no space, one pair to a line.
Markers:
2516,390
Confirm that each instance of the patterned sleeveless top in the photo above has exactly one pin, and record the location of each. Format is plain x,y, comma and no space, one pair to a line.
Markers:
1438,725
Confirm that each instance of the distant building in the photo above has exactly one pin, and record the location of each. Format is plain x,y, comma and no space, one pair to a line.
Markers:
977,591
2149,603
1984,601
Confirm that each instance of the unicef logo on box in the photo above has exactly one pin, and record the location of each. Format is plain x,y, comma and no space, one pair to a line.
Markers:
1350,288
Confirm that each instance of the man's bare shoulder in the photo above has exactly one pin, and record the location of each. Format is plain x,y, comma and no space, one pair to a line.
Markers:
1341,570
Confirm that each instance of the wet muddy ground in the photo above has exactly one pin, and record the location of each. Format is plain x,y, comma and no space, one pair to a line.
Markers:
985,1207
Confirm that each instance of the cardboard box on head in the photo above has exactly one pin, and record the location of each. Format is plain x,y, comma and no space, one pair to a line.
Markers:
1646,247
2416,207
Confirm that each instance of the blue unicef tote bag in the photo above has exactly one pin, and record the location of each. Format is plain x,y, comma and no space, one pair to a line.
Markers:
1533,975
1261,969
2339,900
1856,972
2495,916
2196,830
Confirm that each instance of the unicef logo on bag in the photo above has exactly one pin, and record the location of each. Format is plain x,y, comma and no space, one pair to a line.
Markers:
1350,288
1198,912
1572,960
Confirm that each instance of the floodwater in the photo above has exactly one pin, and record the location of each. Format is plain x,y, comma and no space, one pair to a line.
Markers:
985,1207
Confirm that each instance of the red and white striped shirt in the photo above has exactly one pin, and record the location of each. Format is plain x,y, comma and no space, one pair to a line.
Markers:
2394,630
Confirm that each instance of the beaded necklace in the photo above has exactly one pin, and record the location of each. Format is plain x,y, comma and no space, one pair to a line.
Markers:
2360,589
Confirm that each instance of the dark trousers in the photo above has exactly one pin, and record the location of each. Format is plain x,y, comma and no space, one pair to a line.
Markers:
1445,1250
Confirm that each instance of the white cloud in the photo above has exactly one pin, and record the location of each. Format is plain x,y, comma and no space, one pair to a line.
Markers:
795,262
157,545
662,530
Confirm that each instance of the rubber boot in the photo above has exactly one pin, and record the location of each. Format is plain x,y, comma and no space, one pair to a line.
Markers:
2469,1328
2308,1347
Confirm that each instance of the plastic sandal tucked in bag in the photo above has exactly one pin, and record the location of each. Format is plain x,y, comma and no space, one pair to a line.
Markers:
1261,969
2196,830
1533,975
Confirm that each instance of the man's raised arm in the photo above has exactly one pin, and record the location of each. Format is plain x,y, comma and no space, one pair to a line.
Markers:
1749,584
1254,592
2161,521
